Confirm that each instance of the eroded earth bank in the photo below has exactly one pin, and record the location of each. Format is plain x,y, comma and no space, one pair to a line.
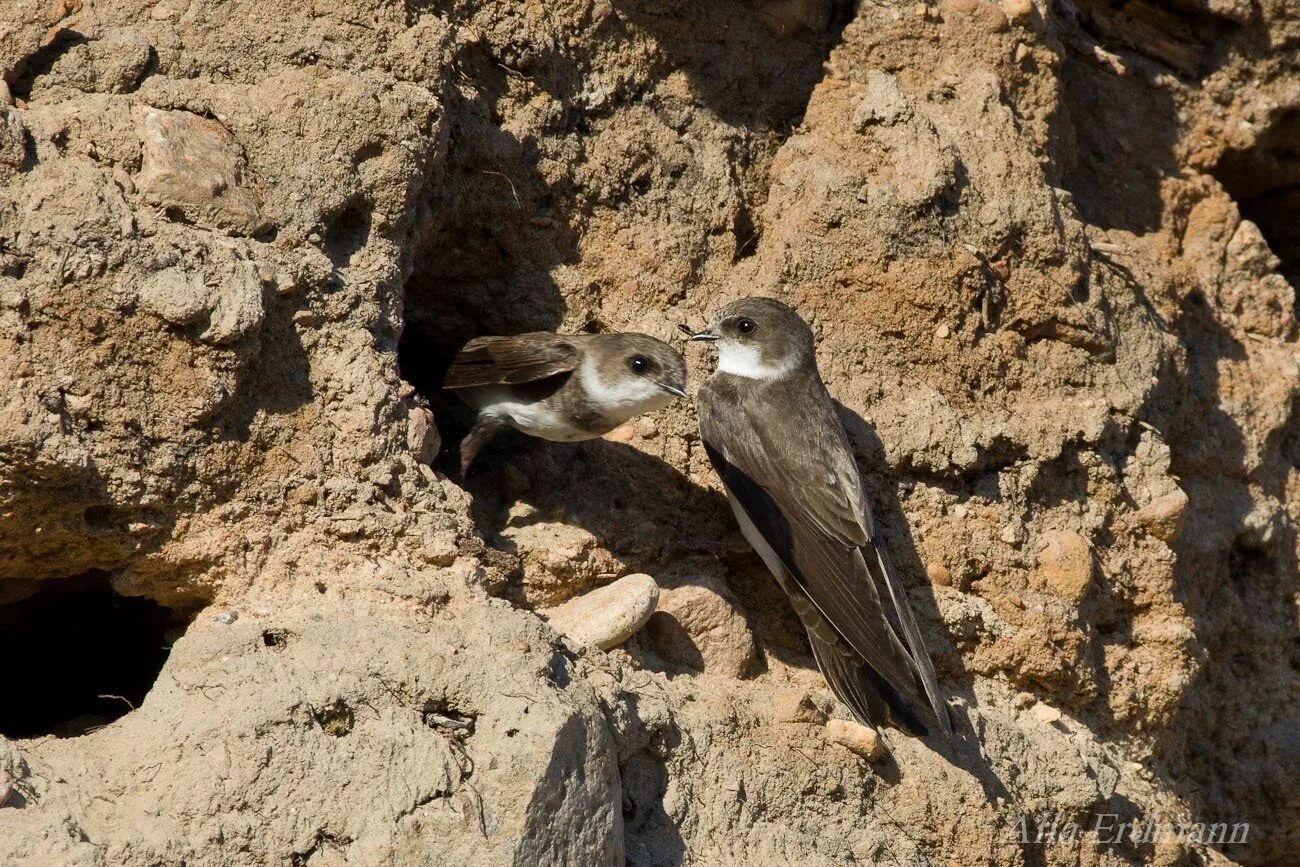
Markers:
1048,249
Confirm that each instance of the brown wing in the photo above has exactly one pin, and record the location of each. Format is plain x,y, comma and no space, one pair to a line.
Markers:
804,496
511,360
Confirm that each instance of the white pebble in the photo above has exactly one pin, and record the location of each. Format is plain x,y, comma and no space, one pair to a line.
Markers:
1018,10
609,615
856,738
1045,713
883,103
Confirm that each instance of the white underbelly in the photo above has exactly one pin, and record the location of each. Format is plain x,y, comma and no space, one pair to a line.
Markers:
535,418
756,540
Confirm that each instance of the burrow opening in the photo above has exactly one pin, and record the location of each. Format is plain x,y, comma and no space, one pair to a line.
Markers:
79,655
500,249
1265,182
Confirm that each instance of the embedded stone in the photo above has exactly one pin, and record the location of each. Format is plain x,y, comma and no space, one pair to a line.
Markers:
938,574
1163,517
992,18
174,295
1045,713
883,103
796,706
699,628
856,738
1065,565
609,615
193,169
624,433
1018,10
422,436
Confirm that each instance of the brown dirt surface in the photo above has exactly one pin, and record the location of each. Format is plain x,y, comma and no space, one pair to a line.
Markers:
1048,249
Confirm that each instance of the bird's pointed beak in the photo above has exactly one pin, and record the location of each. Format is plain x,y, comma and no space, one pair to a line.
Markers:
706,334
673,390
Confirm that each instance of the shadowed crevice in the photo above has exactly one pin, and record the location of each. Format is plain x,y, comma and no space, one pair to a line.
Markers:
88,656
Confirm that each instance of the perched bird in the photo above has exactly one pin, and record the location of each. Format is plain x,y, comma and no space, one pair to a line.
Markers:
771,431
562,387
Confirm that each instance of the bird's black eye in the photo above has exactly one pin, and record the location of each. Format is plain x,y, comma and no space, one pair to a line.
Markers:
746,326
638,363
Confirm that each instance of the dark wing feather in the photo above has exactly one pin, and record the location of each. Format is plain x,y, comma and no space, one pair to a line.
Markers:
806,500
861,687
912,633
511,360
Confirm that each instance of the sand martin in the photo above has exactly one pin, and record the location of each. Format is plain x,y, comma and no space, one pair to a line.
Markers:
771,430
562,387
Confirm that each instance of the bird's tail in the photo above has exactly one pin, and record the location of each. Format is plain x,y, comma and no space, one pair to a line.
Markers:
922,665
870,697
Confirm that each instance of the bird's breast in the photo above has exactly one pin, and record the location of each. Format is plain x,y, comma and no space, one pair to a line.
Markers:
546,418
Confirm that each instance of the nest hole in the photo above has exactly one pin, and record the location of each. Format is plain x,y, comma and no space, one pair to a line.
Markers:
1265,182
336,719
80,656
276,639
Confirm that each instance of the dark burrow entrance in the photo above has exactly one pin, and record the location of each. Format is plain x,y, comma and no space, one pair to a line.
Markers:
77,655
1265,181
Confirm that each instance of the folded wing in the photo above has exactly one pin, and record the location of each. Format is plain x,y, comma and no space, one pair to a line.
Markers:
805,498
511,360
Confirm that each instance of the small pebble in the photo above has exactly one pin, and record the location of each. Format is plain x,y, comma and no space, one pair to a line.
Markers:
1045,713
1065,565
226,618
622,434
1018,10
938,574
883,102
796,706
422,436
1022,51
994,19
647,428
1024,700
609,615
1163,517
942,332
856,738
698,627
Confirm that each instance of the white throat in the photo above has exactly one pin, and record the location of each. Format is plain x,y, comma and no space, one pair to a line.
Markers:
739,359
624,398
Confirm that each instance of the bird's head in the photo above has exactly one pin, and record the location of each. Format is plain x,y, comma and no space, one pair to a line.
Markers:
759,338
629,373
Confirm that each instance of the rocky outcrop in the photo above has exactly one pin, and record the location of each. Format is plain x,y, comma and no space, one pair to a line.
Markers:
1047,252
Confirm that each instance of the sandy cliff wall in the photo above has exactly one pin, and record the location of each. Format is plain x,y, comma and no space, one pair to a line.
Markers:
1046,249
